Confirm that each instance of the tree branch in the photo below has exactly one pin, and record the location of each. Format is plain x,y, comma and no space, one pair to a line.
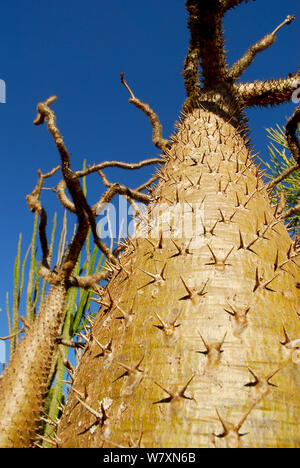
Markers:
83,211
228,4
63,198
291,135
291,212
240,66
35,205
123,190
294,148
82,208
146,184
206,43
157,138
90,281
282,176
119,164
264,93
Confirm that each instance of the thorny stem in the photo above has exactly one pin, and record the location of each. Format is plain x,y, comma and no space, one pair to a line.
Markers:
206,44
240,66
266,93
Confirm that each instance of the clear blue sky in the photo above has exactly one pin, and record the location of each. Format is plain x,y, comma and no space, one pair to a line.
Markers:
77,50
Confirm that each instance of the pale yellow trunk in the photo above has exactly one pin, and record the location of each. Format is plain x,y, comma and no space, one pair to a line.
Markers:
26,380
224,336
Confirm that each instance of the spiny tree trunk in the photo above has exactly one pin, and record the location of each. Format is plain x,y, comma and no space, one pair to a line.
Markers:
27,377
199,354
195,344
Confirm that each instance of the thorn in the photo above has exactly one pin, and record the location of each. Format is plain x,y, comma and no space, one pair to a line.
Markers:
231,429
211,230
234,313
107,349
217,261
209,168
97,415
233,214
222,220
130,370
185,250
168,327
205,344
276,260
193,293
286,338
261,381
158,277
258,282
242,245
127,316
174,395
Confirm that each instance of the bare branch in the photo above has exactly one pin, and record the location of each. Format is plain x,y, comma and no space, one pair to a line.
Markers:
206,43
240,66
157,138
264,93
282,176
83,211
35,205
89,282
146,184
123,190
63,198
294,147
291,135
3,338
119,164
292,211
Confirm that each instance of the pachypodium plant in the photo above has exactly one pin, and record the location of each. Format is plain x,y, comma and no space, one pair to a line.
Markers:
196,340
77,316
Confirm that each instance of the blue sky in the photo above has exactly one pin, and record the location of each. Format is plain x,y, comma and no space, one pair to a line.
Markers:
77,50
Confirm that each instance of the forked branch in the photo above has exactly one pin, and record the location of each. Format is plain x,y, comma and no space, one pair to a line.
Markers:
84,212
35,205
123,190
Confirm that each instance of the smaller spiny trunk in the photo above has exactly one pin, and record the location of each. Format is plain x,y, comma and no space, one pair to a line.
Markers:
25,381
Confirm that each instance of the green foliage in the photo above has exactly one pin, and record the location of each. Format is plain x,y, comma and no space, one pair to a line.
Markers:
280,161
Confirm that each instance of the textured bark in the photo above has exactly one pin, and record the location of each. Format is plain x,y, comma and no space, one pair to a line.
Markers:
25,381
205,349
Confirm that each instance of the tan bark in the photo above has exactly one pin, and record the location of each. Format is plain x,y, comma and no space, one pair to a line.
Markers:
204,326
24,387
